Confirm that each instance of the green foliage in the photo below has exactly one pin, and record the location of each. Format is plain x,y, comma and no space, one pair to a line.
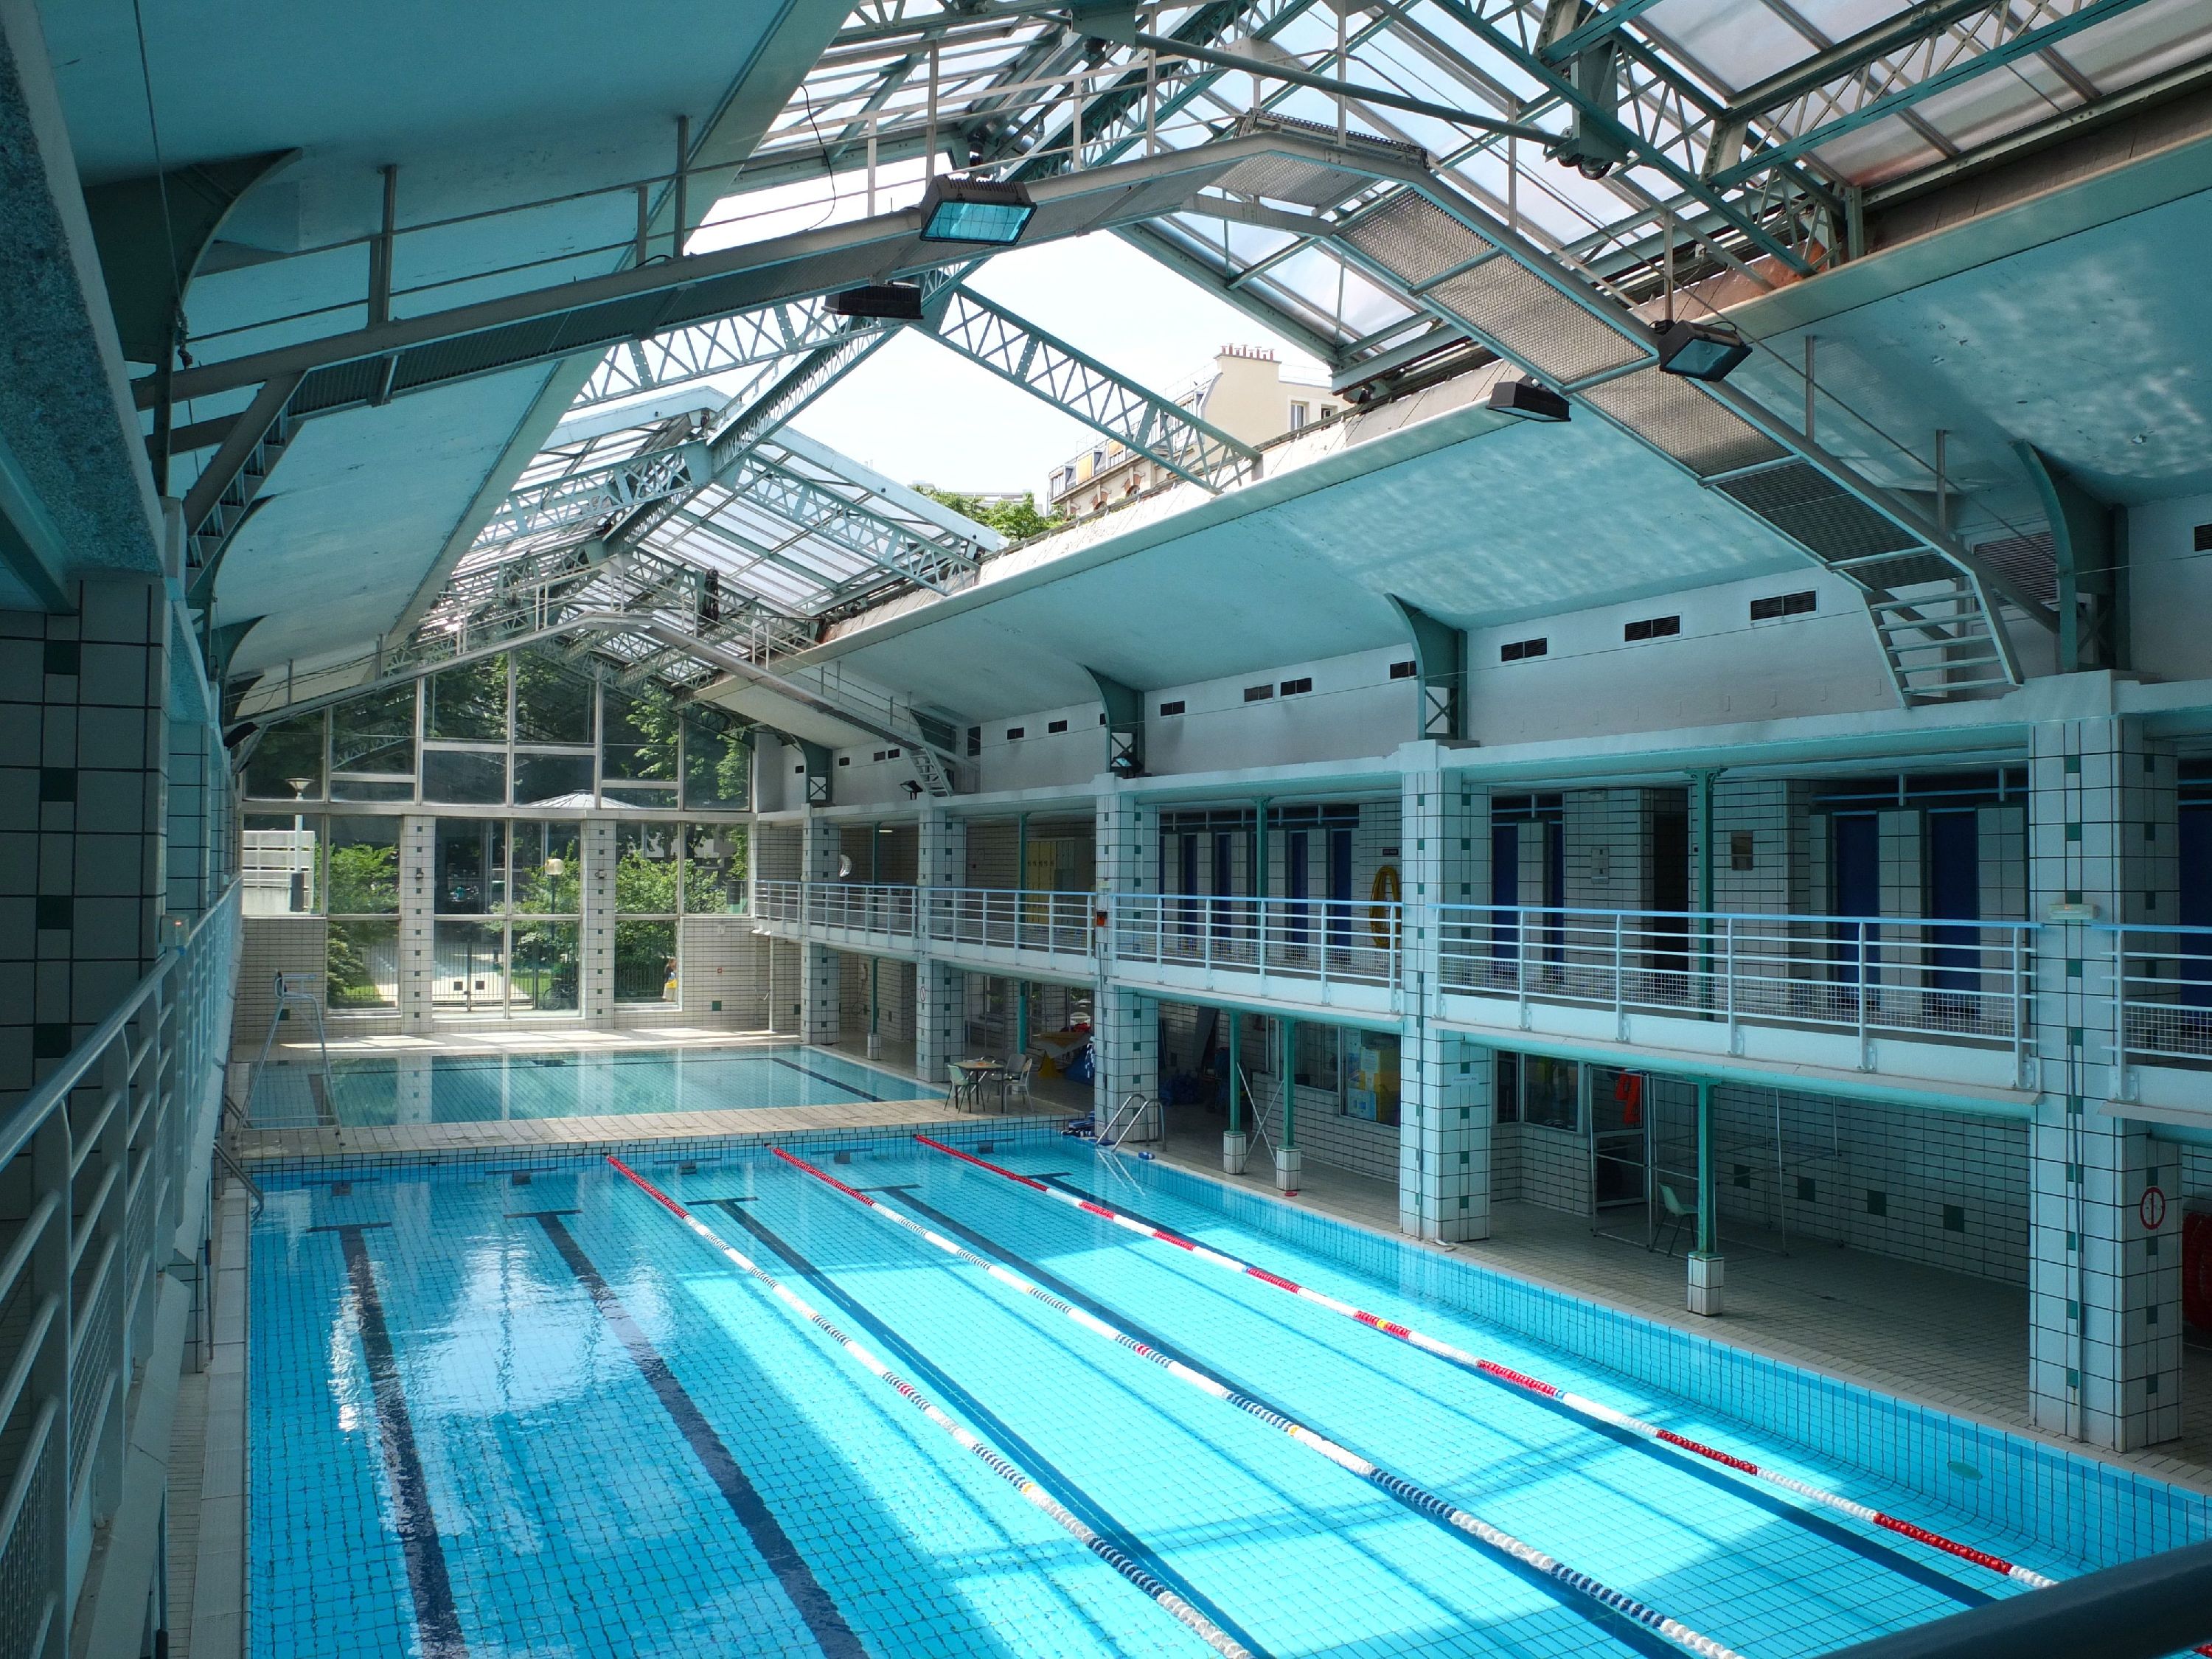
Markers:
640,736
1016,520
348,983
364,880
644,886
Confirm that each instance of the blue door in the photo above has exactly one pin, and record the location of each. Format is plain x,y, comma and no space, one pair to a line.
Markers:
1225,883
1954,895
1505,889
1298,883
1188,885
2196,905
1856,839
1339,888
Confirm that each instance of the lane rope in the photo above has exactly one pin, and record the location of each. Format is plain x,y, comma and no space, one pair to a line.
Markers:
1417,1497
997,1462
1581,1405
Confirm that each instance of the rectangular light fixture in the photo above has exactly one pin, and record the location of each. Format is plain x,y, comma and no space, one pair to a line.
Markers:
975,210
897,302
1527,400
1699,351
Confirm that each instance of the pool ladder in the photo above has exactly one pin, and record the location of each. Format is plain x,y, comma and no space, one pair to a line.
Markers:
1123,1118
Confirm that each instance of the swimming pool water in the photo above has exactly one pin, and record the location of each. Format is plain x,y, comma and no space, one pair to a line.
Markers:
511,1413
488,1088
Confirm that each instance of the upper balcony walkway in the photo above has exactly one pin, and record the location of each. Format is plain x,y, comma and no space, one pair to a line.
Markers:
1883,1006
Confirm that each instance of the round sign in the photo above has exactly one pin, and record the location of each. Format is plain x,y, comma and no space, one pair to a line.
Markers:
2152,1210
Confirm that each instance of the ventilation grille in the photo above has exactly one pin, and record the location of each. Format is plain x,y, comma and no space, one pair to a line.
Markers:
2029,563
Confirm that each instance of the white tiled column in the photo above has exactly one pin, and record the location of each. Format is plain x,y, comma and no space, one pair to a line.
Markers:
2104,1282
418,838
941,990
83,736
1443,1081
596,933
1124,1034
820,842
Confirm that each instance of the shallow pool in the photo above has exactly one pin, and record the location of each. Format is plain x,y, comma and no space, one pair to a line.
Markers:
488,1088
516,1411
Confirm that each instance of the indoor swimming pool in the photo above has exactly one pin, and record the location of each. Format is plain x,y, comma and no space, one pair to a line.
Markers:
881,1398
407,1088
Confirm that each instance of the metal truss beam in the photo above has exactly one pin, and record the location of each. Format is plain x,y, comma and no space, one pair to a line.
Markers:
703,350
1162,431
1804,109
596,492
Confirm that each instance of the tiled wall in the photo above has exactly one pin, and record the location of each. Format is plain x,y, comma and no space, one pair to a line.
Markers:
1554,1169
271,945
895,995
82,743
1941,1187
721,959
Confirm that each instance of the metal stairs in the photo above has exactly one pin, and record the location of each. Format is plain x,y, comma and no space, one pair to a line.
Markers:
1943,643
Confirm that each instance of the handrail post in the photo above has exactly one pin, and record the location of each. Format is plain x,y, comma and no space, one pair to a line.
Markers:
1865,992
2020,1004
2120,1012
1728,963
1521,963
1620,975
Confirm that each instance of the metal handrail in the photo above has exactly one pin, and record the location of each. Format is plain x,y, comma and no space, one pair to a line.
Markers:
1108,1139
33,1110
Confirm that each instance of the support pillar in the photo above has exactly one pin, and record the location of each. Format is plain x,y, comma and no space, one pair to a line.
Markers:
1708,1272
941,990
1125,1048
821,844
2105,1248
418,854
1446,1110
1125,1027
596,971
1290,1161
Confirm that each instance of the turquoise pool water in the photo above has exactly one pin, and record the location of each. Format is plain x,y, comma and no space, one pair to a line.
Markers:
488,1088
509,1411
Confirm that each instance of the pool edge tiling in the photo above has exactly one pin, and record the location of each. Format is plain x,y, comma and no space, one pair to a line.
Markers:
448,1303
1796,1402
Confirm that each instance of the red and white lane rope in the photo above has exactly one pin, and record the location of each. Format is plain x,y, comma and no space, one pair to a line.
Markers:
997,1462
1581,1405
1416,1498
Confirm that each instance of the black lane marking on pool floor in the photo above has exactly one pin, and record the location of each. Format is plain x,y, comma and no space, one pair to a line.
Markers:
1920,1572
1072,1497
1591,1609
823,1077
812,1602
437,1620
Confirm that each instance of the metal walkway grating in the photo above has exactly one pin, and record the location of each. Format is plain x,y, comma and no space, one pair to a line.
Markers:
1533,321
1807,506
1674,417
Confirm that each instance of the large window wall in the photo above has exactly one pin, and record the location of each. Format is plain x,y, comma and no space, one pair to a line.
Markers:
508,933
517,730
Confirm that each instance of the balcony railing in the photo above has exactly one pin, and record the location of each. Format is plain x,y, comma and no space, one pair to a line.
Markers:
2164,978
102,1152
988,918
1328,941
1957,981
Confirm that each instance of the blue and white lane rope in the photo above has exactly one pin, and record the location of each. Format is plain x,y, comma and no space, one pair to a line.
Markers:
1581,1405
1413,1496
1000,1465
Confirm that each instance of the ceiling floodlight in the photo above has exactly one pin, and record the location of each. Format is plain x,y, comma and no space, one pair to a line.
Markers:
896,303
1527,400
1699,351
975,210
